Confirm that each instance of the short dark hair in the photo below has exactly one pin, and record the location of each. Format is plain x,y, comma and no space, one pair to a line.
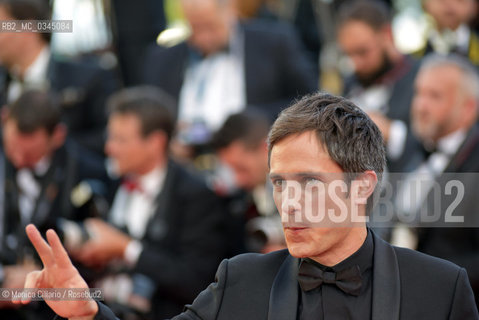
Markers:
250,127
151,105
351,138
29,10
375,14
34,110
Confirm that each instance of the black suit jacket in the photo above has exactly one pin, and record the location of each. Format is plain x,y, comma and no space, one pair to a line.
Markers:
276,67
457,243
83,86
406,285
184,241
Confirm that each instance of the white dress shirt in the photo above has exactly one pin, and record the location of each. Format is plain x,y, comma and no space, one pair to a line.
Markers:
134,209
418,183
35,76
30,188
214,88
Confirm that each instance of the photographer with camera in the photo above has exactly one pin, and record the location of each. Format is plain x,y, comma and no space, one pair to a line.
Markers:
43,179
163,237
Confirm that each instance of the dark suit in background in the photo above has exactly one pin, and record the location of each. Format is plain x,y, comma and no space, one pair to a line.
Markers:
59,198
69,167
183,243
459,245
276,68
138,24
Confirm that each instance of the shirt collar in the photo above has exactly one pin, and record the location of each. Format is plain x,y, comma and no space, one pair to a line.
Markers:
446,40
36,73
463,33
41,167
450,144
152,182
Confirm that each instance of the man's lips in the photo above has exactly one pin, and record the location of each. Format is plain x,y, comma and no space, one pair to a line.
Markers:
295,228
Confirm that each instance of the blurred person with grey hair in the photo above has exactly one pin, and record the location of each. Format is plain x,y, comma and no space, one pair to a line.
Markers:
444,119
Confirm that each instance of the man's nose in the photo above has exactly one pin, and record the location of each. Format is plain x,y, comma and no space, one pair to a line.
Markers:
291,198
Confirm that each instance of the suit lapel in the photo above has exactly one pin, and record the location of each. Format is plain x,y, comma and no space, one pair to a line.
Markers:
283,300
465,150
386,282
157,226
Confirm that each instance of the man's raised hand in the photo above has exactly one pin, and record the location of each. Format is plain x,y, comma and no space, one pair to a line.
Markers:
58,272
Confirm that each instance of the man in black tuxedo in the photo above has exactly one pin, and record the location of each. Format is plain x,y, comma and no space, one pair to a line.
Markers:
382,81
43,179
27,63
227,65
444,119
333,268
162,217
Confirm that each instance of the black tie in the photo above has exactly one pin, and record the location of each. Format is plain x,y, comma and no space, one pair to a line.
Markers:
427,151
311,277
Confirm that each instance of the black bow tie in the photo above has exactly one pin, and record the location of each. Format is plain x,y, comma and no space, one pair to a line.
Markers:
428,151
311,277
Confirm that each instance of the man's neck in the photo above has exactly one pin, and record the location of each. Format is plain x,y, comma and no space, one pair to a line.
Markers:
345,248
150,167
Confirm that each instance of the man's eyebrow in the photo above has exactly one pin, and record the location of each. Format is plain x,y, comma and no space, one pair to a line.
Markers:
273,176
296,175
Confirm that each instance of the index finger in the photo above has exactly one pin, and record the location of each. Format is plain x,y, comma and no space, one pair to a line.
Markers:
41,246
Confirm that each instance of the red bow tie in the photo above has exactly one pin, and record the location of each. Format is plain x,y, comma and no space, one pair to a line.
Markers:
131,185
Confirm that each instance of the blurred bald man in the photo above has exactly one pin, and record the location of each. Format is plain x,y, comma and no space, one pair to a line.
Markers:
226,65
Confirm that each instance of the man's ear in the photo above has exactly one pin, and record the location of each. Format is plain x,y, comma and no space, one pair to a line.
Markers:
59,135
471,106
159,139
264,146
365,184
386,32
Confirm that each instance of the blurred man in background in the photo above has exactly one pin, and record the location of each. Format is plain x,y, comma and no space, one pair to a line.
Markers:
162,217
27,63
42,179
382,82
450,32
445,113
241,145
225,66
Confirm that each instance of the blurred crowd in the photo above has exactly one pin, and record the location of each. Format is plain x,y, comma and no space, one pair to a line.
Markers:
149,156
